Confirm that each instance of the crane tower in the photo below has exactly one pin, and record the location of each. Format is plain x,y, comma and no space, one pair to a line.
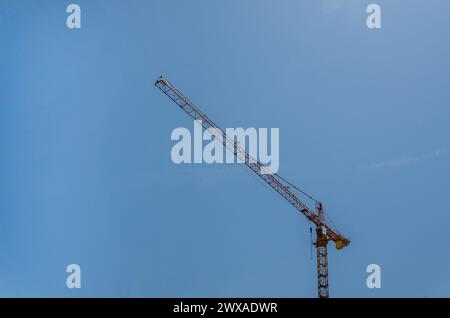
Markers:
324,231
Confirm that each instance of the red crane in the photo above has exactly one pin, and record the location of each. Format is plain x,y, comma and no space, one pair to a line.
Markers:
324,232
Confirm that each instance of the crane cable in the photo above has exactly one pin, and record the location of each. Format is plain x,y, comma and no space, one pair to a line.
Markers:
327,217
296,188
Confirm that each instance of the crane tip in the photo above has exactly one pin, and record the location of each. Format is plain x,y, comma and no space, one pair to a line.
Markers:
160,79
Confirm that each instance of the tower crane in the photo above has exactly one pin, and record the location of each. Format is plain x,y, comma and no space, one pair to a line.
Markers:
324,231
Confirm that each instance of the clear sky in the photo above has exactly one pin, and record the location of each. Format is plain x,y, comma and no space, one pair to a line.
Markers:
85,167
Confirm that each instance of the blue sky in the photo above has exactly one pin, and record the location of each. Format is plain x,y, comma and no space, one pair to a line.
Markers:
86,174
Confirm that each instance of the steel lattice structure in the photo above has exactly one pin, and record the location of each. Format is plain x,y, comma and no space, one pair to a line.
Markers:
324,232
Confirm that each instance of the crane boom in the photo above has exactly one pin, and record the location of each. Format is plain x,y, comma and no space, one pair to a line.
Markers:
324,232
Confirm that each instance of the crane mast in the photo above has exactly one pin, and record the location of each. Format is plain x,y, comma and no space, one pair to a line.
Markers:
324,232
